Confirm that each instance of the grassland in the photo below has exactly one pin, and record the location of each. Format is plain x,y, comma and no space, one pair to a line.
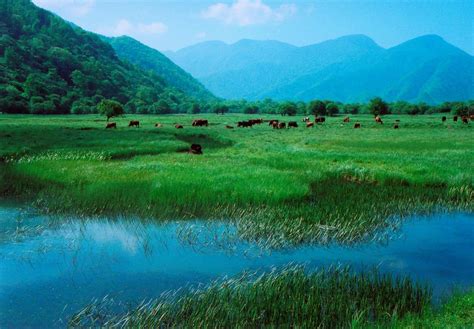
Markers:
295,185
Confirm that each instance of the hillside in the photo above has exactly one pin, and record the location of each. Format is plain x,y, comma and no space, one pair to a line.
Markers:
49,66
351,68
148,58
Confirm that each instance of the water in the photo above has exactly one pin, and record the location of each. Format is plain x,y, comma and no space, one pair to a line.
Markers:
50,268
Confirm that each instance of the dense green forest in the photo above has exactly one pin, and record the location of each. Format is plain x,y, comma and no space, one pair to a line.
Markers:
148,58
49,66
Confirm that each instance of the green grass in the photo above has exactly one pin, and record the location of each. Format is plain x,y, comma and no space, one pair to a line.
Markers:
295,185
334,298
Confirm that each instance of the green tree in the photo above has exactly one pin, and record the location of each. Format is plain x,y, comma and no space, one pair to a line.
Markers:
288,108
110,108
332,109
195,108
252,109
460,109
317,108
378,107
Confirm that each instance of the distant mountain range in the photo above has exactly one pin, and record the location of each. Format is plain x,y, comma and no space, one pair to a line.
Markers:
348,69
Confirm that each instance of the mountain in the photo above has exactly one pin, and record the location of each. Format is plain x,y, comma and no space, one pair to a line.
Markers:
349,69
48,65
148,58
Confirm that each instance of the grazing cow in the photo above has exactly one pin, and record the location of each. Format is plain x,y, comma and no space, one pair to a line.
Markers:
195,149
443,119
281,125
346,119
395,126
378,119
179,126
229,127
472,117
275,124
134,123
319,119
455,118
271,122
465,119
357,125
256,121
244,124
309,124
397,120
292,124
200,123
158,125
111,125
306,119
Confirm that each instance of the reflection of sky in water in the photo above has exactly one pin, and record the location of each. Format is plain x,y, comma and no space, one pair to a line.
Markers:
52,267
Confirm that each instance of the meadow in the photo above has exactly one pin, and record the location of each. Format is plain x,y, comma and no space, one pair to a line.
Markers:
287,186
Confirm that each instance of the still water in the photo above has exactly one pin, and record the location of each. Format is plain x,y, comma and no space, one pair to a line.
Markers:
51,267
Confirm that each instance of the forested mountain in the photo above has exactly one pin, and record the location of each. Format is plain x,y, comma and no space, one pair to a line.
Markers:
348,69
148,58
49,66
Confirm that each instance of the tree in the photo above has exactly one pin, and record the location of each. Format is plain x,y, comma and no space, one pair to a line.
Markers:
378,107
288,108
110,108
195,109
351,108
253,109
317,108
332,109
221,109
460,109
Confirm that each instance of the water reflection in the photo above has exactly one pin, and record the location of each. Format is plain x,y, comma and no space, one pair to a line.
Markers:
51,267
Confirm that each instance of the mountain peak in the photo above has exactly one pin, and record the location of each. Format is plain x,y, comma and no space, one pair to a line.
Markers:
429,43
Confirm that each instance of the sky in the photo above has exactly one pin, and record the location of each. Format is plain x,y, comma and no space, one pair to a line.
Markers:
172,25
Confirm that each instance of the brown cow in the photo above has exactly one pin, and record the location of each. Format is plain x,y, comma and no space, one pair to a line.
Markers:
455,118
465,119
281,125
346,119
200,123
357,125
229,127
395,126
271,122
158,125
179,126
256,121
319,119
443,119
134,123
472,117
244,124
275,124
292,124
378,119
309,124
111,125
195,149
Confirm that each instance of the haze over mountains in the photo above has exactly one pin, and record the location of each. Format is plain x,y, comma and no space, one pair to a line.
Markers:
348,69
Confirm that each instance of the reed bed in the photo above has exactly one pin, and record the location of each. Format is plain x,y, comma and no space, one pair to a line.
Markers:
331,298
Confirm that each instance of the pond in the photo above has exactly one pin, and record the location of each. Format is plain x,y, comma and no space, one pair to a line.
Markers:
52,267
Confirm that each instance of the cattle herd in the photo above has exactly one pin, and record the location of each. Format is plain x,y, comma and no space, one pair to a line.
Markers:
277,124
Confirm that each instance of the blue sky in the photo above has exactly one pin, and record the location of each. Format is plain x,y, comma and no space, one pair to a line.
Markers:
171,25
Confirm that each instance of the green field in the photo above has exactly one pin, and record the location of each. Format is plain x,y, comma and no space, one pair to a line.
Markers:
298,185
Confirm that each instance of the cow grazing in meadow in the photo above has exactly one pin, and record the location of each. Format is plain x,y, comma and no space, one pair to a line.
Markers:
195,149
158,125
244,124
472,117
320,119
357,125
256,121
455,118
134,123
275,124
397,120
309,124
292,124
178,126
395,126
443,119
271,122
281,125
229,127
378,119
346,119
465,119
200,123
111,125
306,119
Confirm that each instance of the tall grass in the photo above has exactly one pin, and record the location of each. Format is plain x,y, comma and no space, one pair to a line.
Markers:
331,298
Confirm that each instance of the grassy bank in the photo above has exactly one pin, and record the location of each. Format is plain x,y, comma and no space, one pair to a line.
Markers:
333,298
293,184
